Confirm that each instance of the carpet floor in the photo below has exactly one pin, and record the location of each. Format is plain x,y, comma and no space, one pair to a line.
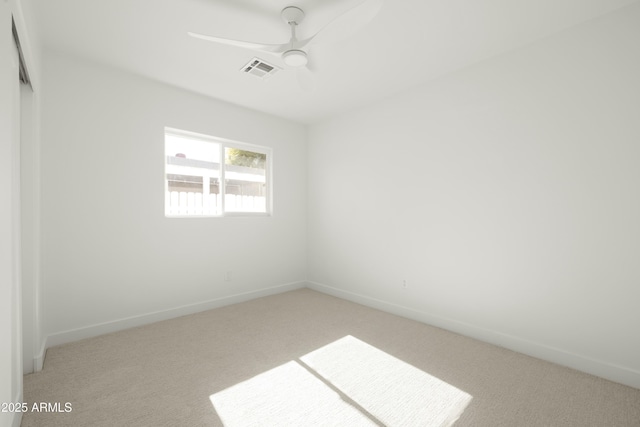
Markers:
164,374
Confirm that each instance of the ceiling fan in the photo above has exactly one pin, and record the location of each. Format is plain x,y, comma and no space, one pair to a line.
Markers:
294,52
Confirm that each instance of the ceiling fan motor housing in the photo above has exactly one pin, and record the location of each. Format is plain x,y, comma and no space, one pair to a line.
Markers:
295,58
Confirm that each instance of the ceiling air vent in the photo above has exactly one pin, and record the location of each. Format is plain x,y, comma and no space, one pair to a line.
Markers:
259,68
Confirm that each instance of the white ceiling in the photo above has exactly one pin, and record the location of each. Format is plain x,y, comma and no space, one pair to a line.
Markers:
409,42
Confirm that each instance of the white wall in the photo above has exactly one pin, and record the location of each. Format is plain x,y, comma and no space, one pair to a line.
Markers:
9,331
108,252
506,195
32,341
11,283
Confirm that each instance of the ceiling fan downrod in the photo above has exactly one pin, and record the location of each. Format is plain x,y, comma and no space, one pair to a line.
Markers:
293,57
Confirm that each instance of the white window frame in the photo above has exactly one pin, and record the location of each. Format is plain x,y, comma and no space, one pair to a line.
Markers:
222,143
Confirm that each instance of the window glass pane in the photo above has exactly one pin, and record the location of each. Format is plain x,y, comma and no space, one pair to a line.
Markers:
186,147
192,176
245,180
195,166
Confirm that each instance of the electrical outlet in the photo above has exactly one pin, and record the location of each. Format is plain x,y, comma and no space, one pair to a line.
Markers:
227,276
404,284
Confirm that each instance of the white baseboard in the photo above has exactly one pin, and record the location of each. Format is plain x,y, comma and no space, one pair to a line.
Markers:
619,374
38,360
36,363
144,319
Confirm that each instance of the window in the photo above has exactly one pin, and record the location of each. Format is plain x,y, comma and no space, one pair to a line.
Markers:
207,176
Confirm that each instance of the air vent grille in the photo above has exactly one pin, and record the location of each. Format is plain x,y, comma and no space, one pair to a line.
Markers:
260,68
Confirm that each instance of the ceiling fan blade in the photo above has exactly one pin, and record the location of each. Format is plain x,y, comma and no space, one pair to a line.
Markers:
268,48
306,79
348,23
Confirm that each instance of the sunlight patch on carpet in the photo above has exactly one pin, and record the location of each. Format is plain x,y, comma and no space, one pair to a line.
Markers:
395,392
285,396
384,389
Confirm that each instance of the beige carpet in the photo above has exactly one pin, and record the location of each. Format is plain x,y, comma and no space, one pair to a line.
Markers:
165,374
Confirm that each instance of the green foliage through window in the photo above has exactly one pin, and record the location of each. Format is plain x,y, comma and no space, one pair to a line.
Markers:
238,157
